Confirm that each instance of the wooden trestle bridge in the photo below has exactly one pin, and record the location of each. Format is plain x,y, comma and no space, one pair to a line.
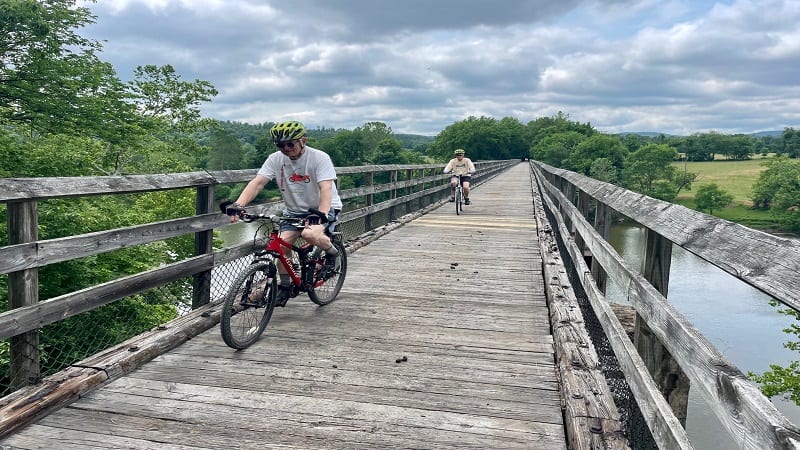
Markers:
483,330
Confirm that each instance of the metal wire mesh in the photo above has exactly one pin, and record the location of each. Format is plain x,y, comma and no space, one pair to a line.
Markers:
68,341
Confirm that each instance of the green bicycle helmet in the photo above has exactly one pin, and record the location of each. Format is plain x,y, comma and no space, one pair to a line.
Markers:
459,151
287,131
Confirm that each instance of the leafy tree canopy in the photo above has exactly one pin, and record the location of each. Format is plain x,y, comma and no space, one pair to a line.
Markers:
483,138
778,189
710,197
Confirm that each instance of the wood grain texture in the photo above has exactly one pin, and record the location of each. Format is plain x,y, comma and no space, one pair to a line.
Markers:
766,262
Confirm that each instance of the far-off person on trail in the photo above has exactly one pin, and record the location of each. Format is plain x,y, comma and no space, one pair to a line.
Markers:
460,165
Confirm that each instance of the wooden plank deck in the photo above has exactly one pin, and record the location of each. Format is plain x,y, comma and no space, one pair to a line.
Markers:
478,372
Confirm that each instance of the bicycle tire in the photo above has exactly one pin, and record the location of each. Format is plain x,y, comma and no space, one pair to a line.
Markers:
458,201
326,285
246,310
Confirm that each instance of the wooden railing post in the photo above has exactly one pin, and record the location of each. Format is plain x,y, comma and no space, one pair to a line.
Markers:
393,177
369,180
602,223
583,206
669,377
203,245
408,191
568,189
23,290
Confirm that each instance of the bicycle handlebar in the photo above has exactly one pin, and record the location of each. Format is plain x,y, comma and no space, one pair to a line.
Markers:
314,217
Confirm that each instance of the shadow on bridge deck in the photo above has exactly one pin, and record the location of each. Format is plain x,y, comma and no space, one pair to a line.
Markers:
458,299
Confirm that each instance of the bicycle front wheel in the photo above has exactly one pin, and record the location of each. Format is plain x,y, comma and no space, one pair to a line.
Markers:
458,201
249,304
328,281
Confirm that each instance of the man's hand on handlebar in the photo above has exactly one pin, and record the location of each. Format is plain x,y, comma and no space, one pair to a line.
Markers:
316,217
232,209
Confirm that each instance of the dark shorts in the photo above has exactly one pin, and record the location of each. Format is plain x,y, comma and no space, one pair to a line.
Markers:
464,178
333,214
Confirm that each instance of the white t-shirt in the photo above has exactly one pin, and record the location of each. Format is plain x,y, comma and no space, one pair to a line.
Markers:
298,180
462,167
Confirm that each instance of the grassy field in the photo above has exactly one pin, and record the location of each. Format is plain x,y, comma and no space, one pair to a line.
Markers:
735,177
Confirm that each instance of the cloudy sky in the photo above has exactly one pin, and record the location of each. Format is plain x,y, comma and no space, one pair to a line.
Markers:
676,67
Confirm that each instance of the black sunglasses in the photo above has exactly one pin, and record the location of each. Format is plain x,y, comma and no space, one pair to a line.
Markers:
289,144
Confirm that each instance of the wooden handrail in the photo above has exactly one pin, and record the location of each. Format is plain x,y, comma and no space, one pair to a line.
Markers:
738,403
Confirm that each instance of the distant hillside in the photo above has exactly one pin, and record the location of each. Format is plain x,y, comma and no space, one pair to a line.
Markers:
413,140
643,133
774,133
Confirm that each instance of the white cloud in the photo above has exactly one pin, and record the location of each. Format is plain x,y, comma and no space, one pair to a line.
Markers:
420,65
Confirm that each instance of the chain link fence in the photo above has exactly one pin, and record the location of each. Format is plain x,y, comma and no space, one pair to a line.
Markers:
63,343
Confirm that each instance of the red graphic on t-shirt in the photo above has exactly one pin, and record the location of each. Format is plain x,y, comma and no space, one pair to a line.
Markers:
297,178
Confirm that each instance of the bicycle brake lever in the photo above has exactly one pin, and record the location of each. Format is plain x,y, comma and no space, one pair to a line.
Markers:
323,218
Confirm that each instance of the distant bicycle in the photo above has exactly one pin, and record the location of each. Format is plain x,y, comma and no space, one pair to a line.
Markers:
250,301
459,196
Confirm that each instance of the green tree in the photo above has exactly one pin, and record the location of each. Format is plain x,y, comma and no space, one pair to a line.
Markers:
50,77
738,146
603,170
649,170
225,152
556,148
483,138
779,179
595,147
371,134
346,148
538,129
791,142
710,197
778,189
389,151
635,141
783,380
695,148
161,95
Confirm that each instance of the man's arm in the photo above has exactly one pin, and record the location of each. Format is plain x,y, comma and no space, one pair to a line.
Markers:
325,195
252,189
448,167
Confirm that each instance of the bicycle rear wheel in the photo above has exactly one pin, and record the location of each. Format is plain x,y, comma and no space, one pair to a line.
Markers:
249,304
328,282
458,200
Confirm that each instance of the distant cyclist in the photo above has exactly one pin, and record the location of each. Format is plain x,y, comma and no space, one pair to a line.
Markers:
460,165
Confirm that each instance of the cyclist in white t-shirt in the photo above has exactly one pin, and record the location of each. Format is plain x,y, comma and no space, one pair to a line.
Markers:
460,165
306,178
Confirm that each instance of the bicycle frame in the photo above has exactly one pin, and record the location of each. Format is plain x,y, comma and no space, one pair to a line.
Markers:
458,193
275,247
252,297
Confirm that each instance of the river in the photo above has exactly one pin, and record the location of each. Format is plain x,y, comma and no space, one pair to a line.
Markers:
735,317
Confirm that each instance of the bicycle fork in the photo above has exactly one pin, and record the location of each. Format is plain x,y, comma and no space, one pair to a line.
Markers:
255,292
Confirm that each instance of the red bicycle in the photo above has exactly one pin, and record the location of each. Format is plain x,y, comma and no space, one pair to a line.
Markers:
250,301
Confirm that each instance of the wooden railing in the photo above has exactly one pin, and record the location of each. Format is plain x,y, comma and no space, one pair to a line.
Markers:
764,261
410,188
